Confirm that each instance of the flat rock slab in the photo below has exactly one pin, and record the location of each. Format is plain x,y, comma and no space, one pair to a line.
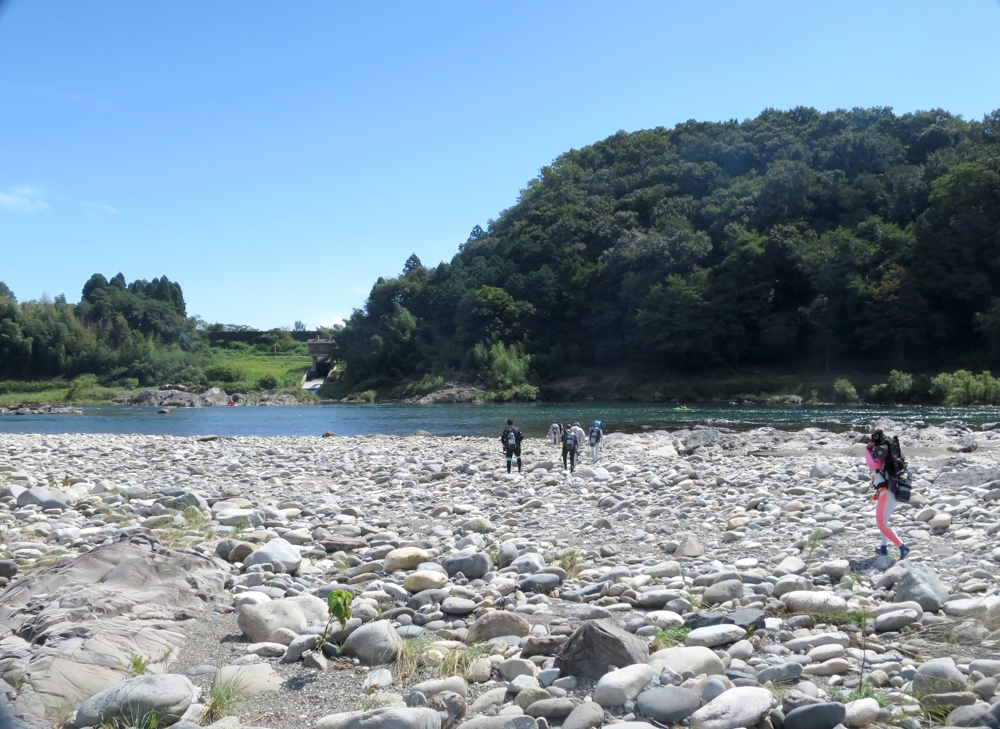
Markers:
250,679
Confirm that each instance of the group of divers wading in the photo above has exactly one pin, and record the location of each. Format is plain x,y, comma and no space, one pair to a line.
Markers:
890,479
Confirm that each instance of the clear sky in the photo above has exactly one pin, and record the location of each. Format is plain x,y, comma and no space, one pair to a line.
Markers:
275,158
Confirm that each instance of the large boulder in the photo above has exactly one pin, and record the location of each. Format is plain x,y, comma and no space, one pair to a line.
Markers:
722,592
375,643
741,706
668,704
44,497
165,696
825,603
473,565
618,687
277,550
696,659
261,621
234,517
405,558
713,635
938,676
920,584
425,580
826,715
394,718
497,624
588,715
595,646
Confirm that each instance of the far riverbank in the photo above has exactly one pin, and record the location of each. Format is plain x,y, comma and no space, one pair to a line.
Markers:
484,419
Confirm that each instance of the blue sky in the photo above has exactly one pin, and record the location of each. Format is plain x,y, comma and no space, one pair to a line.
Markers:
276,158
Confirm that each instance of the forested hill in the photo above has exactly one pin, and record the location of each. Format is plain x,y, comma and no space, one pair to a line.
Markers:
848,239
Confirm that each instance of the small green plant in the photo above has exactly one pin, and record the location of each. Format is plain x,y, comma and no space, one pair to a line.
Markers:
855,578
222,697
338,605
668,637
482,526
137,664
242,524
494,554
812,542
79,384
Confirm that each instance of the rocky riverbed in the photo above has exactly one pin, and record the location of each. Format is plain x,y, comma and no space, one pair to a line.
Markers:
702,578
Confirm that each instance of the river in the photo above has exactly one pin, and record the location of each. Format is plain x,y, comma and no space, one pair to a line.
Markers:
534,419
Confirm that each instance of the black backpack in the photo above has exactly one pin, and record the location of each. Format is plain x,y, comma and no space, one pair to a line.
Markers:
595,435
570,440
897,468
896,463
511,438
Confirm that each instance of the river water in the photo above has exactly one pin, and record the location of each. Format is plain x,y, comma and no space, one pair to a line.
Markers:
486,419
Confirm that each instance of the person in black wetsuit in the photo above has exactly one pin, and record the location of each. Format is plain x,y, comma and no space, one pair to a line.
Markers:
570,443
510,439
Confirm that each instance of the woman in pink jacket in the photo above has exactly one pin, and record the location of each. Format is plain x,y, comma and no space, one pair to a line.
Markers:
884,498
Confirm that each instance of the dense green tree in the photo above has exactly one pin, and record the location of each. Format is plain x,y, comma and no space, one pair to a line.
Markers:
117,330
856,238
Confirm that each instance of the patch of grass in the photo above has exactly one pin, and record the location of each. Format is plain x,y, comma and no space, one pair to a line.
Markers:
459,662
132,719
409,657
244,371
222,697
936,715
340,561
864,690
57,393
194,516
425,385
570,562
669,637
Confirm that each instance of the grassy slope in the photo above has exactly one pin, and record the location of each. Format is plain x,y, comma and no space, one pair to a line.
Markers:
287,369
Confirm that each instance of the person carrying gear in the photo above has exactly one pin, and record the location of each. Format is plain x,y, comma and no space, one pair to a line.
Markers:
569,446
554,431
891,482
595,439
581,437
510,439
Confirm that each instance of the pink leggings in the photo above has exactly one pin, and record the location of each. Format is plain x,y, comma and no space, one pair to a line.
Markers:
883,512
